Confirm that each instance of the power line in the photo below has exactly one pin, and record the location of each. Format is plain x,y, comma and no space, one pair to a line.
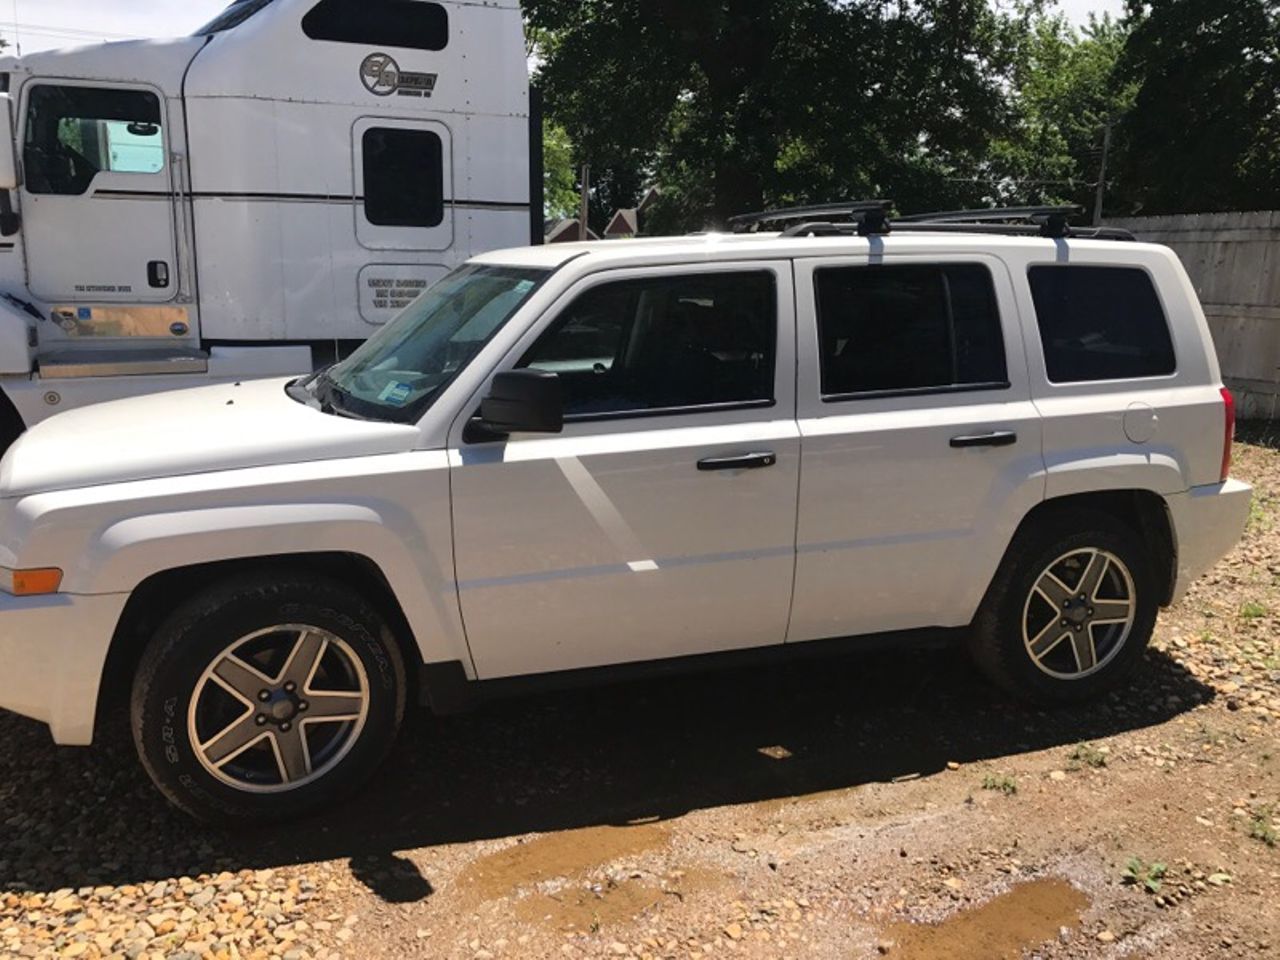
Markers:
47,30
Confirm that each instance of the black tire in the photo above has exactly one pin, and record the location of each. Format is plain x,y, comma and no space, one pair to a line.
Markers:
997,642
176,664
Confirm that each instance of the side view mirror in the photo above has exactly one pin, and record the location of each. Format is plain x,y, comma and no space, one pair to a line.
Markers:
524,401
8,158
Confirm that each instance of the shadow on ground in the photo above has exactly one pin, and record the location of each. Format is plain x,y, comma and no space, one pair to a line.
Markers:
72,818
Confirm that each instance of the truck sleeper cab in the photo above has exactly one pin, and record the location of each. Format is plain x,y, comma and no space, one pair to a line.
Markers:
615,458
254,200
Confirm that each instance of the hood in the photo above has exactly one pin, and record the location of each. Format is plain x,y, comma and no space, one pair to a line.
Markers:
160,63
201,430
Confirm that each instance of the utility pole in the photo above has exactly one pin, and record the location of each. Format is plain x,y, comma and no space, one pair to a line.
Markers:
584,216
1102,177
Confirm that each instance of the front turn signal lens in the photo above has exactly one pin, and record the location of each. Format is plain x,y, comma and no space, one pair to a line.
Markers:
30,583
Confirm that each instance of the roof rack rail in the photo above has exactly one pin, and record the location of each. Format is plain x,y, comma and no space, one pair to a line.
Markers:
996,215
1054,221
851,208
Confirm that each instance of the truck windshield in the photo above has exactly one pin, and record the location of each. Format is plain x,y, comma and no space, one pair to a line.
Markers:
232,17
403,368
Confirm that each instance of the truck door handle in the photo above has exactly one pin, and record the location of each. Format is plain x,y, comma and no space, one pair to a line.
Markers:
998,438
158,274
750,461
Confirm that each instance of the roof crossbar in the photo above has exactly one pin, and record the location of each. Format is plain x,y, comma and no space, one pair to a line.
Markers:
823,229
817,212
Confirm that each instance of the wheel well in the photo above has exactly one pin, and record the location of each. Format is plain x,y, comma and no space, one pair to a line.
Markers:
1143,512
12,425
157,597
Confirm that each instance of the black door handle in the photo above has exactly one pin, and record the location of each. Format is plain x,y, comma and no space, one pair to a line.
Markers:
999,438
750,461
158,274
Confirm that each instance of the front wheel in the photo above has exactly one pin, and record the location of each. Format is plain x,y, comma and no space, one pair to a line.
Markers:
261,701
1071,611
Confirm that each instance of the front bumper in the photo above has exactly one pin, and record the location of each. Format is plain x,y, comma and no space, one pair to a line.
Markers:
1208,522
52,653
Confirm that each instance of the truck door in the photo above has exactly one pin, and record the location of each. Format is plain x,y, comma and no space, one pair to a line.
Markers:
98,194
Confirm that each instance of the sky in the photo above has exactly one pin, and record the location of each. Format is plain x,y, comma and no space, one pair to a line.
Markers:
45,24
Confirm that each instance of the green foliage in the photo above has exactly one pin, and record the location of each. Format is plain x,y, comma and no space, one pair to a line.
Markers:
1006,785
1065,94
1204,131
735,105
1253,611
1260,828
560,177
1087,755
1149,876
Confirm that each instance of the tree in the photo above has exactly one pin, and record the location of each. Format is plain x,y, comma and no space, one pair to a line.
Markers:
735,105
1204,131
1066,94
560,174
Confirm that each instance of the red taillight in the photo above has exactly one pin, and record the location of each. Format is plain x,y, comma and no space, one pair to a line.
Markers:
1230,402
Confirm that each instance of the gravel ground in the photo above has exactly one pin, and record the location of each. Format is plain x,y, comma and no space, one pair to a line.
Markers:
887,805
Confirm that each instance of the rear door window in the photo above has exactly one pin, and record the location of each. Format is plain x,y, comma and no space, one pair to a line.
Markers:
908,329
1101,323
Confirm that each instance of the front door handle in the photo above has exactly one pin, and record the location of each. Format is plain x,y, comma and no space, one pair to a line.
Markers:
158,274
998,438
750,461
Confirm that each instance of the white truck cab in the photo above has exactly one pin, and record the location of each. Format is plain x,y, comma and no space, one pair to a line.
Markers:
621,457
254,200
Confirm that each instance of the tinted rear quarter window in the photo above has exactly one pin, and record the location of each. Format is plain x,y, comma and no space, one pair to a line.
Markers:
416,24
1101,323
891,329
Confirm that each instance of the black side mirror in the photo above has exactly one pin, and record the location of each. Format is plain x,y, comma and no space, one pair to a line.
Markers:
524,401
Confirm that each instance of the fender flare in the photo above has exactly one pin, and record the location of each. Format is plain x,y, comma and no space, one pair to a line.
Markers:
128,551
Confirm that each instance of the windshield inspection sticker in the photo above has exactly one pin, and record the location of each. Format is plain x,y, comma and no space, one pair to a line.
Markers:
396,392
524,286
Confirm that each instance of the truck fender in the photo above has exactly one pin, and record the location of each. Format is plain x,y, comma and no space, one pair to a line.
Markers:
128,551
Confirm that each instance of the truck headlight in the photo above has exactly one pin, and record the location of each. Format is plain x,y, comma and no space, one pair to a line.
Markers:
30,583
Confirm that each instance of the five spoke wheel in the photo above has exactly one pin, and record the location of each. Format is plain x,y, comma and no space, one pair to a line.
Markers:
1079,614
278,708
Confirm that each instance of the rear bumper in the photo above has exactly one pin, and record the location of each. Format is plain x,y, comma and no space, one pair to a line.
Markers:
52,652
1208,522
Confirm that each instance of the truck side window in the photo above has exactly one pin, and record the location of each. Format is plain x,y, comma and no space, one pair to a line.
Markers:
416,24
1101,323
664,345
896,329
403,177
75,133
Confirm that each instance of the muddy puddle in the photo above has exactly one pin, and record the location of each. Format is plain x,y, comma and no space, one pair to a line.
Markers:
1003,929
557,856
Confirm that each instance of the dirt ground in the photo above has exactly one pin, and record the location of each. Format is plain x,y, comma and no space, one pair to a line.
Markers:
890,805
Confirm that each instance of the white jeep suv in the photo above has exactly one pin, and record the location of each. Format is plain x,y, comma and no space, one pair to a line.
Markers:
602,457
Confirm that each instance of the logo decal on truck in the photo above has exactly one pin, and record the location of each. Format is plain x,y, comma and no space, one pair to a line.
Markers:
382,77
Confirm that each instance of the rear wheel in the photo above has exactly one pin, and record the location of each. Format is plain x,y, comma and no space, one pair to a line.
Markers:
267,700
1071,611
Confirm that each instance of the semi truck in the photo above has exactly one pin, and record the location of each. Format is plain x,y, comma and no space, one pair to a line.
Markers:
253,200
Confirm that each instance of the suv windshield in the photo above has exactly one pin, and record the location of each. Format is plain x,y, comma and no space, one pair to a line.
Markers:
401,370
232,17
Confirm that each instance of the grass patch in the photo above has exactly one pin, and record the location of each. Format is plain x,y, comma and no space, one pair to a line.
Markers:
1006,785
1253,611
1149,876
1260,828
1260,516
1087,755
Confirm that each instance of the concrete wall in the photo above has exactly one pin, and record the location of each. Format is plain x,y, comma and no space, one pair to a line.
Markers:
1234,262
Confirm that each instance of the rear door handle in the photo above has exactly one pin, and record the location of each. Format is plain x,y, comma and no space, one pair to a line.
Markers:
750,461
998,438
